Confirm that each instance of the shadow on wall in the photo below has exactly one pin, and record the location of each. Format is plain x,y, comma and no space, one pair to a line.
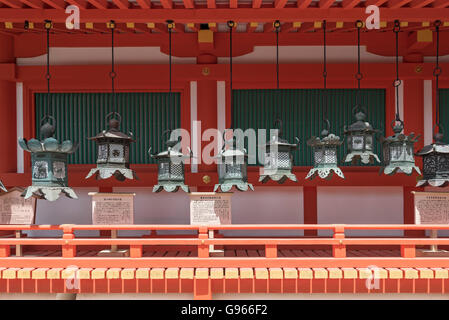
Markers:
361,205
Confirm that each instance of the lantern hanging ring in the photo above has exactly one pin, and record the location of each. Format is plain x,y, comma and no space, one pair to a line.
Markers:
279,121
112,115
48,117
358,108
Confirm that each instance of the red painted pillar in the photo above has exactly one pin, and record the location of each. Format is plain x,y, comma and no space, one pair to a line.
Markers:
310,209
8,136
207,114
414,122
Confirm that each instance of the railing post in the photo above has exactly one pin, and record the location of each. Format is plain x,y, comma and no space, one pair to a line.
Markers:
271,251
68,250
408,251
339,250
203,249
5,251
135,251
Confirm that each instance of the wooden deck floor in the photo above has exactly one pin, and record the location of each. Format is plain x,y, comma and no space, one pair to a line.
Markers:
283,253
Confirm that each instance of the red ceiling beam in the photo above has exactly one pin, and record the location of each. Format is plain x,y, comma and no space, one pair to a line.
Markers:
375,2
395,4
82,4
257,3
15,4
188,4
211,4
121,4
167,4
326,4
302,4
349,4
441,4
420,3
57,4
35,4
278,4
223,15
100,4
144,4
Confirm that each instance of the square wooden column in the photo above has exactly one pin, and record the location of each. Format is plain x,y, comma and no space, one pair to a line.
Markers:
310,209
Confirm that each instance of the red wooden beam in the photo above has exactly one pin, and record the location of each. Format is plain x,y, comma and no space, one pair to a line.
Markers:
100,4
326,4
257,3
211,4
395,4
15,4
302,4
375,2
280,3
144,4
233,4
57,4
221,15
35,4
82,4
167,4
188,4
441,4
121,4
420,3
349,4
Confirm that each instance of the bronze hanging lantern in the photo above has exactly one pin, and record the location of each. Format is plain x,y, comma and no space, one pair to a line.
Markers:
436,155
360,135
398,149
49,158
325,149
113,152
170,174
112,145
325,155
49,161
278,160
232,168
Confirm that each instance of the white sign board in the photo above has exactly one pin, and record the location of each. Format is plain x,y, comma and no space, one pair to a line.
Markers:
14,209
210,208
112,208
431,208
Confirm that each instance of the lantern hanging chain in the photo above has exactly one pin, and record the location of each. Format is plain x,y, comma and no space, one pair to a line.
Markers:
359,75
325,115
113,74
48,25
437,73
170,26
231,26
277,26
397,82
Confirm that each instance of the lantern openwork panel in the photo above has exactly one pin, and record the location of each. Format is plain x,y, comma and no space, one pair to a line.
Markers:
49,160
360,141
170,164
398,152
325,156
435,163
278,158
113,153
232,166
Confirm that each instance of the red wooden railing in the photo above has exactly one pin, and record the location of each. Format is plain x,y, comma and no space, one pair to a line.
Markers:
201,241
